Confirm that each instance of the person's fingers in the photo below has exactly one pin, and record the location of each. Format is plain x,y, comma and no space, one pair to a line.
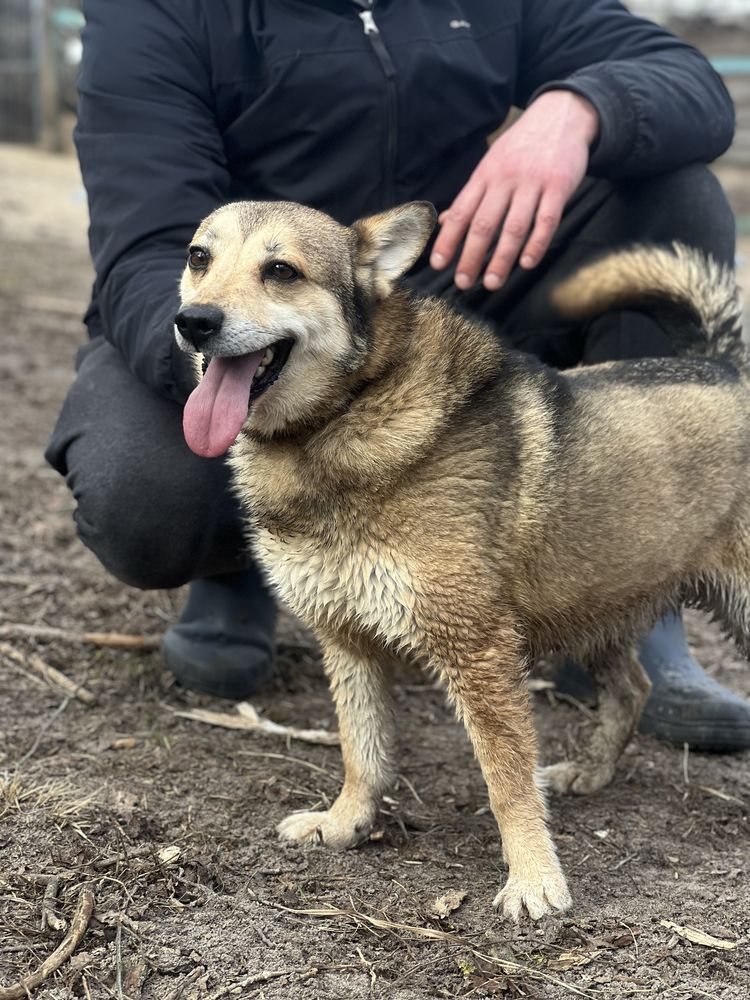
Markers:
515,229
548,216
454,222
481,235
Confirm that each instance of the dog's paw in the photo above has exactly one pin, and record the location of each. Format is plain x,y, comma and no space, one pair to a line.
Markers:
326,828
571,776
536,896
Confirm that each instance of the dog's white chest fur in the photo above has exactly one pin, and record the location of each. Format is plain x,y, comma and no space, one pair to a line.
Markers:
361,584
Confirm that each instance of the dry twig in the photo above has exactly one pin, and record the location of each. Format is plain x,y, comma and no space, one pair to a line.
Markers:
179,992
262,977
84,909
717,793
49,902
248,719
118,960
47,633
535,684
49,673
695,936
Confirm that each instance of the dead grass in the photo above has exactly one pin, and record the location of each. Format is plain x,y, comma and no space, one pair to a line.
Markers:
55,798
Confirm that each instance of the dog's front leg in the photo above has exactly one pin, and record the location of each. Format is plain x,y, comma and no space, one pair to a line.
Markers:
490,693
360,683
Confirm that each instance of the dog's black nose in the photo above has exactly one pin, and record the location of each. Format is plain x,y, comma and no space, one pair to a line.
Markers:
198,323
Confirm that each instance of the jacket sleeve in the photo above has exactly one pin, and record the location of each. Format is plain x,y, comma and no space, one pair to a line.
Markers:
660,103
153,166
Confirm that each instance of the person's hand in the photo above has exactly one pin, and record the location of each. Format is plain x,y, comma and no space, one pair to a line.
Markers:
519,190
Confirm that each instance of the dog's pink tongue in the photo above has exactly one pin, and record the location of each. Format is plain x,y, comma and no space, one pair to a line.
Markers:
217,407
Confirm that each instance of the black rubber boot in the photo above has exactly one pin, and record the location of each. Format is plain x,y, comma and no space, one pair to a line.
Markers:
685,705
223,643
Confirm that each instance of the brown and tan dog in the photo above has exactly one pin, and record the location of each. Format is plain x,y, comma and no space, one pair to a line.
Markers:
416,489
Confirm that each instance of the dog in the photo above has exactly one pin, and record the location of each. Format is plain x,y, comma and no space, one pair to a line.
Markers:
416,489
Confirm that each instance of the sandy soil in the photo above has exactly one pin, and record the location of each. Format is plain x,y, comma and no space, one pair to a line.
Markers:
171,822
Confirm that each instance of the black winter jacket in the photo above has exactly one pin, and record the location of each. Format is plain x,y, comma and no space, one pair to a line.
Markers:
346,105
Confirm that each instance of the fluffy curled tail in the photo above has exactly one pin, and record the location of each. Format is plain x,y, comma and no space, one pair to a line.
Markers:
674,285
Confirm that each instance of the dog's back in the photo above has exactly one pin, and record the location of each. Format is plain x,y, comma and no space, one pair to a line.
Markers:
676,430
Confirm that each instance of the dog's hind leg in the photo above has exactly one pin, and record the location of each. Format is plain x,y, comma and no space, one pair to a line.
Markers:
623,690
490,694
360,683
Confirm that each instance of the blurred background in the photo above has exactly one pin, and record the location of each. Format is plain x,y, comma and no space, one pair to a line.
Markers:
40,51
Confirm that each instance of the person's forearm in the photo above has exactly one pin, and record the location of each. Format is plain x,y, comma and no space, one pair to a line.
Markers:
579,113
660,103
138,303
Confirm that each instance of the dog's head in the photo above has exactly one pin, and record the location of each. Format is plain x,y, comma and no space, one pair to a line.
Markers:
278,299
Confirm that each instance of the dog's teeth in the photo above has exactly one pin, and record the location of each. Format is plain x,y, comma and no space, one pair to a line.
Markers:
260,371
268,356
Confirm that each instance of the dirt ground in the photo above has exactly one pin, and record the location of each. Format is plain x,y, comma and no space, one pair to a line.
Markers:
171,822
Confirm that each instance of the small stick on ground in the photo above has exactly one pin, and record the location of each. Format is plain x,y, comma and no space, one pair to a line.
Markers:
48,633
570,700
139,851
84,909
535,684
118,949
49,902
261,977
191,977
247,718
49,673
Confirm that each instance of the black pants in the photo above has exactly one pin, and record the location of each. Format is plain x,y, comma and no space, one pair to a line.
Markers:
158,516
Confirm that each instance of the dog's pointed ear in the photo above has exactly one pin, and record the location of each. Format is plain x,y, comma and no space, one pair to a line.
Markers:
389,243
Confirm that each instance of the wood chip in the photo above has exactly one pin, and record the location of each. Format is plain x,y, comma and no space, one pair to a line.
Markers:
571,960
124,743
248,719
446,904
699,937
169,855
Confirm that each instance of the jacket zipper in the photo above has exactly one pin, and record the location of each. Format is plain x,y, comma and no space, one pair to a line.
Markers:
391,109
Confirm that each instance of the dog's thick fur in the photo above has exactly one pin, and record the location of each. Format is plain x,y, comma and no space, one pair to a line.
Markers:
416,489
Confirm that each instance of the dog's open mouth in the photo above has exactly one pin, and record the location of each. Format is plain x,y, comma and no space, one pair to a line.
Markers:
218,406
274,359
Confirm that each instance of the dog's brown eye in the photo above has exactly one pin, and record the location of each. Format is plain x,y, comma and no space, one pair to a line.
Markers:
198,258
280,270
